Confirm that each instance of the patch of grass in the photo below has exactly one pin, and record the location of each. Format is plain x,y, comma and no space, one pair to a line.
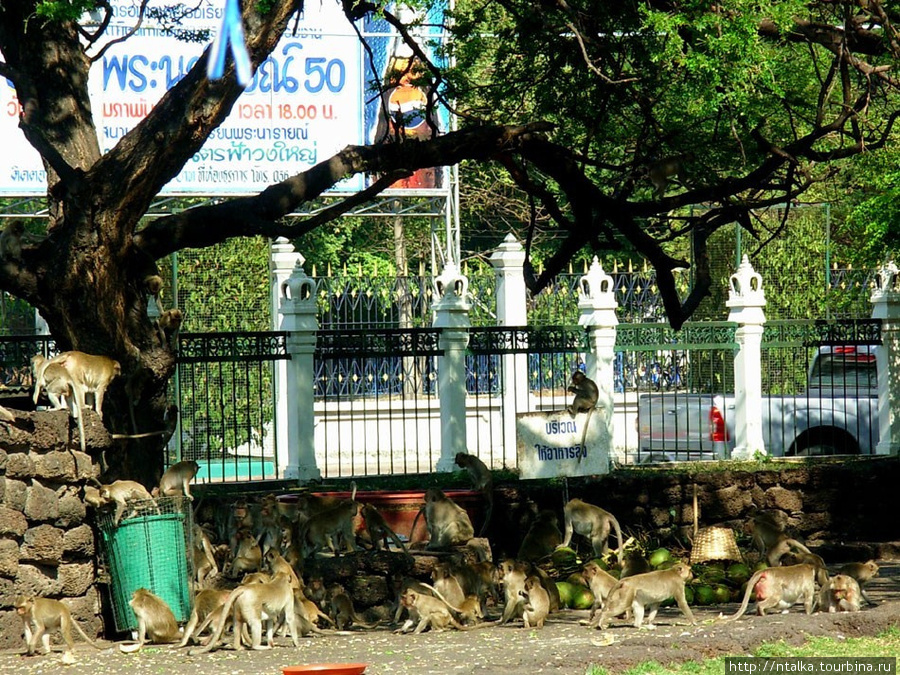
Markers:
885,644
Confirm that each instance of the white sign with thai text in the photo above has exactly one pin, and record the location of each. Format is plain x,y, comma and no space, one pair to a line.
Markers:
552,444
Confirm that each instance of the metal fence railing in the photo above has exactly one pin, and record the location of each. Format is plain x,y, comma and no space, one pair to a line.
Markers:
225,388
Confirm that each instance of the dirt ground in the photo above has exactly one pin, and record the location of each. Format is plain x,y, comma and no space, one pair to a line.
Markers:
563,646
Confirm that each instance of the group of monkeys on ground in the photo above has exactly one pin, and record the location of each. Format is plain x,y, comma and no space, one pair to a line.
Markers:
269,544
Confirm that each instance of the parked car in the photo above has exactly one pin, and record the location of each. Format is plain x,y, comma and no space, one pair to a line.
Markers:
837,414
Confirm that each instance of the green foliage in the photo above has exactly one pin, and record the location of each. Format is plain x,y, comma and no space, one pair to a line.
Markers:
63,10
224,288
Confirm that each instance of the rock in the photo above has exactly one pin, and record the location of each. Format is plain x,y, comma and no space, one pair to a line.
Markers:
41,503
42,544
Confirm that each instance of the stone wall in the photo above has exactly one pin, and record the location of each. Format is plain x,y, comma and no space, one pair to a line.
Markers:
826,502
47,545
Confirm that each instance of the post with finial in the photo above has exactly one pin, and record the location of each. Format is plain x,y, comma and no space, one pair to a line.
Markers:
508,261
746,300
885,300
451,315
597,313
297,455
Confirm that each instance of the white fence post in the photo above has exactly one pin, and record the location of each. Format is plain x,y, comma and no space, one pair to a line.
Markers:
746,300
886,306
451,314
281,264
597,306
298,309
508,262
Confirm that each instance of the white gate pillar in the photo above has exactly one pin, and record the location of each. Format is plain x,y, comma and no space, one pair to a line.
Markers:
451,314
597,306
746,300
886,306
509,262
297,457
282,261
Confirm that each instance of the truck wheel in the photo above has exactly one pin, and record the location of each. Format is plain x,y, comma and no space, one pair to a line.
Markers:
817,450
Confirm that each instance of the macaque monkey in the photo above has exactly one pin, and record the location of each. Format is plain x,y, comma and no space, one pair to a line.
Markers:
662,171
40,615
90,374
248,557
770,538
863,573
290,547
841,593
586,393
648,590
542,538
251,605
11,240
447,523
469,611
168,324
476,579
155,621
512,575
446,584
306,619
208,605
176,480
634,563
536,605
379,530
345,615
256,578
204,559
601,583
592,522
269,530
400,585
55,381
241,518
92,497
425,612
781,588
122,492
482,480
311,610
277,564
327,527
153,284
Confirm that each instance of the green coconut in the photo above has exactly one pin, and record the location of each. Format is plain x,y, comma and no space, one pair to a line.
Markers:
659,556
738,573
576,579
704,595
582,598
566,593
564,557
722,593
689,595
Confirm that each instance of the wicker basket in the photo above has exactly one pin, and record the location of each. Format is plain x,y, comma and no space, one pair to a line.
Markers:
715,543
712,543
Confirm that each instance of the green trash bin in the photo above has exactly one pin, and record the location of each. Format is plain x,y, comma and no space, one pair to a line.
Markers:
148,551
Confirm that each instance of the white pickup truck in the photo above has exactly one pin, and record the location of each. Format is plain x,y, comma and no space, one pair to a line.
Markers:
836,415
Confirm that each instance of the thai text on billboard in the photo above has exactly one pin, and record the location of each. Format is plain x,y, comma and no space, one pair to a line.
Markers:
307,101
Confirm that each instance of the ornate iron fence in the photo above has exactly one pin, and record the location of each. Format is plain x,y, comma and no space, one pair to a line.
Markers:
225,388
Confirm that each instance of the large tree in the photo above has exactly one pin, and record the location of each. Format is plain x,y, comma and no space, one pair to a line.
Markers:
624,125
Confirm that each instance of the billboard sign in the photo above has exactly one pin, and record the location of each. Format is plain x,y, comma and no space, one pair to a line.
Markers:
306,102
